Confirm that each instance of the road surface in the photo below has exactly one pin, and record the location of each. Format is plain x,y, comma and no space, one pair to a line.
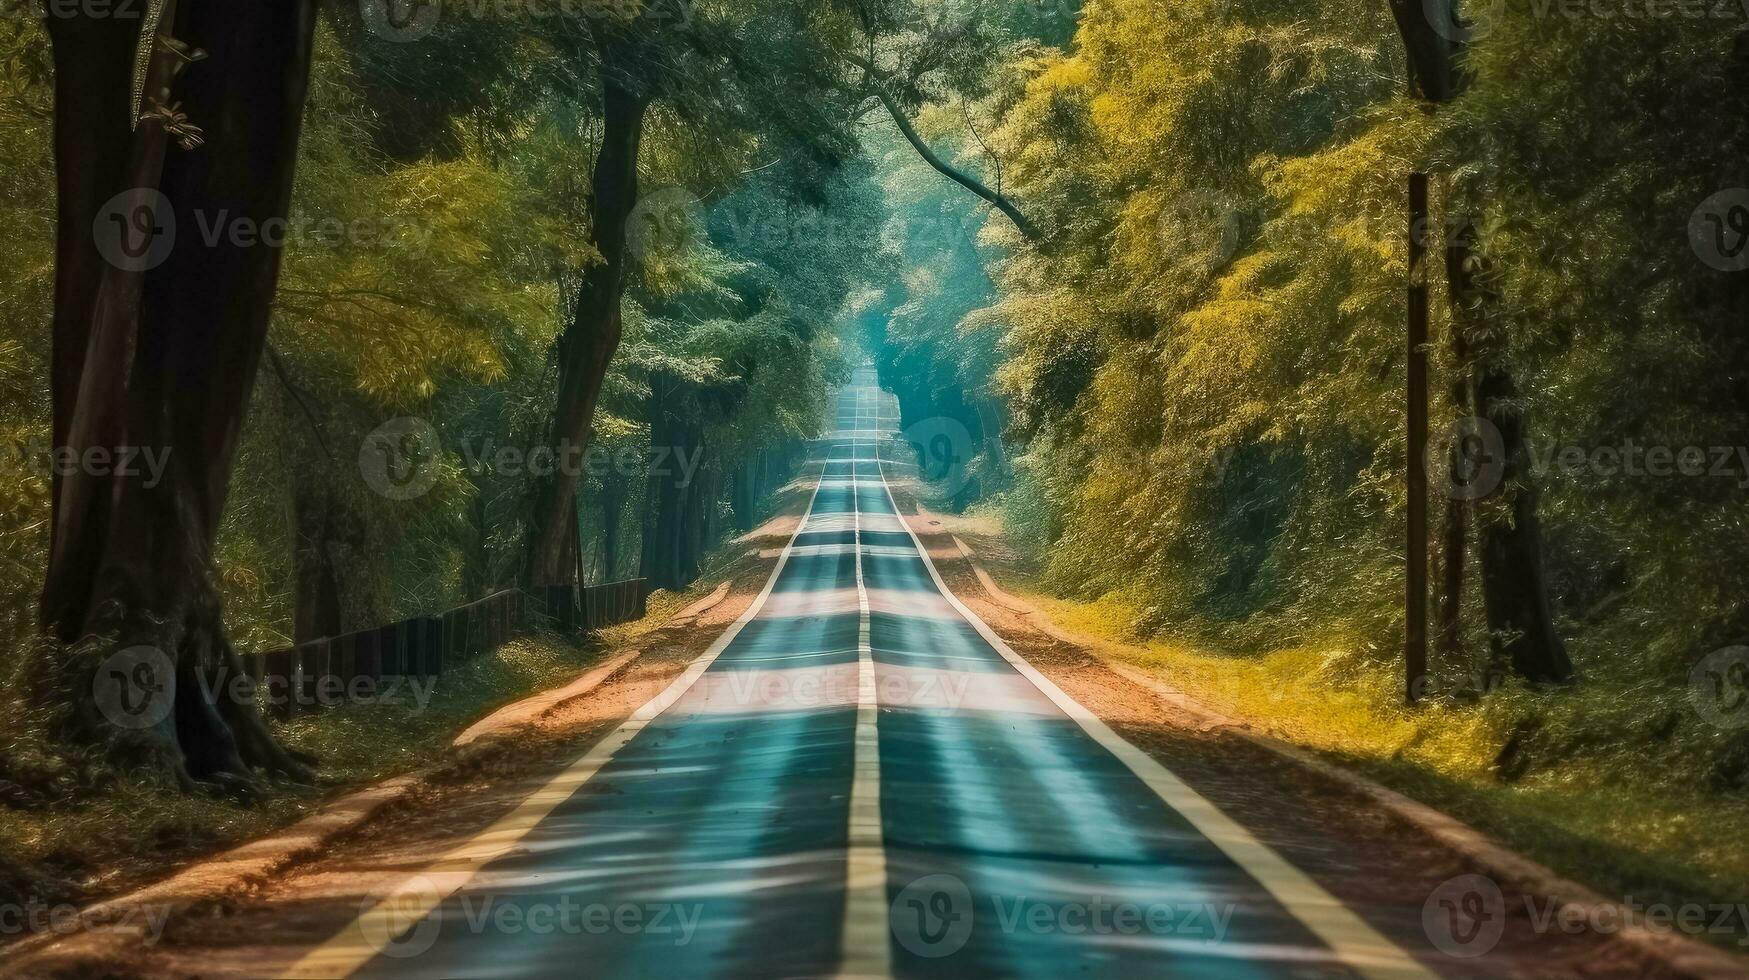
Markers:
860,779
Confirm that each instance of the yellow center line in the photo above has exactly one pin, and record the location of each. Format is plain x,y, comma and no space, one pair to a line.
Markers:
867,950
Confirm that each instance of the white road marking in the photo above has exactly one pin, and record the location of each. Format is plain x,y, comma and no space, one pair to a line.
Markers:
866,938
418,895
1348,935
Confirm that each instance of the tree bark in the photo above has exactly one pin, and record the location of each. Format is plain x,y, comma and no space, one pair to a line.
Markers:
705,490
1515,593
163,358
94,64
477,572
691,531
587,347
656,553
744,491
1521,629
1433,56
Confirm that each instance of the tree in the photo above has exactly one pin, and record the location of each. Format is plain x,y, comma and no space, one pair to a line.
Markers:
1515,591
440,307
164,357
935,350
739,309
586,348
883,85
917,53
747,71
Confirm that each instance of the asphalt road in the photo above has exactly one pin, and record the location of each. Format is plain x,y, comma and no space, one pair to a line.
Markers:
860,779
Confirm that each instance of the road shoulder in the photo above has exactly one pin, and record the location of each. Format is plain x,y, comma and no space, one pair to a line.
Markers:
255,910
1387,860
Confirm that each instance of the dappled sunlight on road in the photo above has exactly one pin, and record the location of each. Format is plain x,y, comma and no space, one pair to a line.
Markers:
738,810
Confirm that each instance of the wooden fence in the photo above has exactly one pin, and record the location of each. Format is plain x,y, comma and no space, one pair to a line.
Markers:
340,668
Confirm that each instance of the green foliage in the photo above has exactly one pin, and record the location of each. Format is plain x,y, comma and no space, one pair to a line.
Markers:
439,230
27,248
1202,363
923,324
1629,337
426,289
1207,365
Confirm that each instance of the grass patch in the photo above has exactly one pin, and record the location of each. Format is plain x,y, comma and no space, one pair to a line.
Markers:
372,743
88,848
94,844
660,607
1613,783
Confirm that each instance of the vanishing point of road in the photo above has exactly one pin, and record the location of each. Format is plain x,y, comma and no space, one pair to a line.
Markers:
860,778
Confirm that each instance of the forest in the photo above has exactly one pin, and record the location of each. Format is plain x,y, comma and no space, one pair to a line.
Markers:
460,297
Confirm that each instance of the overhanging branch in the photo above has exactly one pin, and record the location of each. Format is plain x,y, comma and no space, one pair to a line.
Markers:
879,83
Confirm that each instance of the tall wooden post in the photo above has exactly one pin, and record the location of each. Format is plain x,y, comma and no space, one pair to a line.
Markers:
1415,598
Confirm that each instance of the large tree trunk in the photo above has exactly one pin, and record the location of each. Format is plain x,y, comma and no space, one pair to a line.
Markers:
1515,593
94,67
661,562
163,357
477,572
1514,583
1428,28
1521,630
990,422
1453,552
701,517
588,344
744,491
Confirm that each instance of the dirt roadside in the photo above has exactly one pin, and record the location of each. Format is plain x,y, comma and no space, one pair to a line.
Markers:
1362,853
259,924
1390,871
